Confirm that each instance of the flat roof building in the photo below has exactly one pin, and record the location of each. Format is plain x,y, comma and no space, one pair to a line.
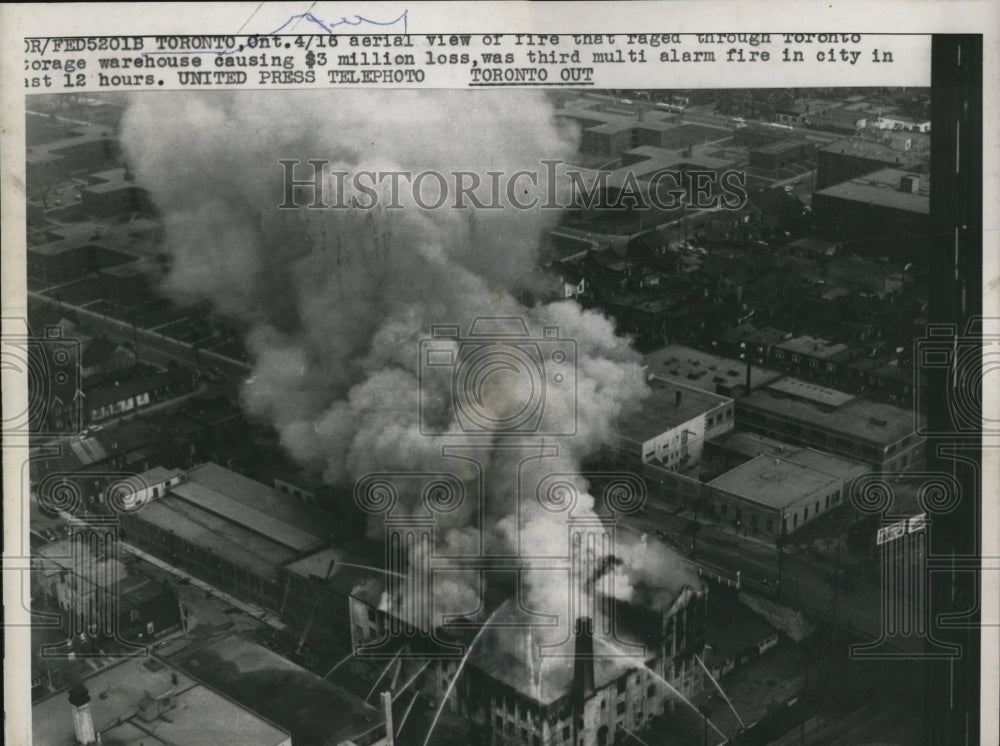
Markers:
852,157
770,495
743,446
773,482
706,370
228,530
882,213
876,433
145,701
893,188
310,708
114,192
671,424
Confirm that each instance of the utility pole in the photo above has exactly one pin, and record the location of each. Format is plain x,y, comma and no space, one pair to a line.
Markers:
135,334
685,218
695,529
779,544
836,625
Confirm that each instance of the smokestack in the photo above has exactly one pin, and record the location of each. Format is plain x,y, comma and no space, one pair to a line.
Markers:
583,661
677,398
83,720
387,712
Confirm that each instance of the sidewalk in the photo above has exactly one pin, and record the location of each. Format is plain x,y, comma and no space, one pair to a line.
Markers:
722,531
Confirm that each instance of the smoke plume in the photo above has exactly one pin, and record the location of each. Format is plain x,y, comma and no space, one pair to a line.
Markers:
335,302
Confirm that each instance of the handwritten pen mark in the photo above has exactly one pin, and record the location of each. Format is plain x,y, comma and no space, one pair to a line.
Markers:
328,27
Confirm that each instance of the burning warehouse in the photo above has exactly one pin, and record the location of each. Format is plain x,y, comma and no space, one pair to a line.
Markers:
601,678
523,677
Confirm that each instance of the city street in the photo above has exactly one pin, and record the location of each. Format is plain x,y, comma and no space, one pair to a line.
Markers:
153,347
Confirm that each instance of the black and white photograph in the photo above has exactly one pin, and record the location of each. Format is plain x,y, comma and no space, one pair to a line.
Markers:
525,412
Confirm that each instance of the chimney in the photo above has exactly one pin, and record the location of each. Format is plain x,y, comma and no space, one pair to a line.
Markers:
83,720
583,661
387,713
677,398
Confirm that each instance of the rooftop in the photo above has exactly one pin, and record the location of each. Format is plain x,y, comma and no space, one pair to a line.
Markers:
110,181
669,404
750,334
872,149
861,418
705,370
811,392
223,537
311,708
827,463
196,715
653,159
780,146
882,188
101,395
752,445
774,482
347,579
812,346
58,556
239,512
840,115
159,474
264,499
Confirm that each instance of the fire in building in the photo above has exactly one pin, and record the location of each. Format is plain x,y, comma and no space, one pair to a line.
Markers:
521,684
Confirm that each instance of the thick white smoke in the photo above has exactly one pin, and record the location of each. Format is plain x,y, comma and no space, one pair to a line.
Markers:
334,302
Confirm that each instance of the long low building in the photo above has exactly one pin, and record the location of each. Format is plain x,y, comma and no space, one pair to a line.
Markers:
794,411
706,370
224,528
